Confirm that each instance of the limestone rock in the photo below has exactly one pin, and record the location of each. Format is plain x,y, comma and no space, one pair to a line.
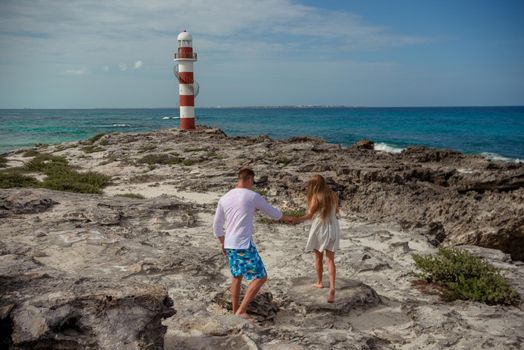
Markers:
350,295
262,306
24,201
46,309
364,144
94,270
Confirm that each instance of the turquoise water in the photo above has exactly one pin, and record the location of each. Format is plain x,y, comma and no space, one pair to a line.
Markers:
497,132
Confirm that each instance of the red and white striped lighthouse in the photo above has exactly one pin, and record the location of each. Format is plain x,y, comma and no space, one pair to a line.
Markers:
188,87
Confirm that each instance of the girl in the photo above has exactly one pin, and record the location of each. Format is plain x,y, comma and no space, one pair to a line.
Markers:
324,235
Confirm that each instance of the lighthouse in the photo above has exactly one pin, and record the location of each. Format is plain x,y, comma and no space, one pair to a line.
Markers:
187,86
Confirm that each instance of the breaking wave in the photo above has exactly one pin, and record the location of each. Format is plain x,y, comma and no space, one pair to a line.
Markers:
495,156
384,147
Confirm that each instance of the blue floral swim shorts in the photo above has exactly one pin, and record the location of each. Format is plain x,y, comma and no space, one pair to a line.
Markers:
246,262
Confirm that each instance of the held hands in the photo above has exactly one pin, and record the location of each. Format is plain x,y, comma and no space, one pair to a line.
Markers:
290,220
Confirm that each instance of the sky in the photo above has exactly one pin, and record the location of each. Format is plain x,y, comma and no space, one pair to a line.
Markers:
377,53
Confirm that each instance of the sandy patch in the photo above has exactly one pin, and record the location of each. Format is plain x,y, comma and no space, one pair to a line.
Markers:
148,191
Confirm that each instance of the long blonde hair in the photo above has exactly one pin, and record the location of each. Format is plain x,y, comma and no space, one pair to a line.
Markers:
319,192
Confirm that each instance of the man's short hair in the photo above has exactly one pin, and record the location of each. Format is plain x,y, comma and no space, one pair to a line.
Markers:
245,174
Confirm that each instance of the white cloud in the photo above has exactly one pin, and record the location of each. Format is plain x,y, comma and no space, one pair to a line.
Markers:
103,36
249,23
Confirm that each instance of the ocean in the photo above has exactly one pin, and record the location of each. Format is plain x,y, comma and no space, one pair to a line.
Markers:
495,132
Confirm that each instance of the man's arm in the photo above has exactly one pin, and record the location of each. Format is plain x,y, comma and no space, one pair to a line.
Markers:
218,226
262,205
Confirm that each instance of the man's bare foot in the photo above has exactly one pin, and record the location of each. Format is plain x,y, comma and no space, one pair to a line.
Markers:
247,318
331,296
318,285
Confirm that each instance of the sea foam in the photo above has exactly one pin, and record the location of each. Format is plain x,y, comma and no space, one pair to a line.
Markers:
384,147
495,156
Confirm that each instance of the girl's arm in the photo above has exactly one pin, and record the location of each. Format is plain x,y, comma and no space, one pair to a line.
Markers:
310,212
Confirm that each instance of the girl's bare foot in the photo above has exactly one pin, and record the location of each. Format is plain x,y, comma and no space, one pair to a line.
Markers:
318,285
331,296
247,318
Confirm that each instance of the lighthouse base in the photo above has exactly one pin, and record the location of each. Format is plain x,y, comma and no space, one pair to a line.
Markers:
187,123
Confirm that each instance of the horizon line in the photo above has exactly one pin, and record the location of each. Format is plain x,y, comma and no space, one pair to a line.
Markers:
299,106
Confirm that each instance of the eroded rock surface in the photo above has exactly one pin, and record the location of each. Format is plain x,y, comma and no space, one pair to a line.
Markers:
45,308
262,306
24,202
96,271
457,198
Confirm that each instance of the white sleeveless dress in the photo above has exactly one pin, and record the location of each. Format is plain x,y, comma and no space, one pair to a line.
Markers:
324,235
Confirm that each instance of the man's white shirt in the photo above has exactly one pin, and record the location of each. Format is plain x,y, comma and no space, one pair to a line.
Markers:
236,212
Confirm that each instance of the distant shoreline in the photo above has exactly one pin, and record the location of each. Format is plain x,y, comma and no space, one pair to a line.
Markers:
263,107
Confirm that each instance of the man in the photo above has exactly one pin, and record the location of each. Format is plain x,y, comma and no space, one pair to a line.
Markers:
236,210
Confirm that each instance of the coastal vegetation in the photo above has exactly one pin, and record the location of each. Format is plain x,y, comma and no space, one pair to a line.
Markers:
165,159
260,191
3,161
147,148
92,149
199,149
460,275
131,195
59,175
213,155
95,138
294,213
283,161
209,152
30,153
15,178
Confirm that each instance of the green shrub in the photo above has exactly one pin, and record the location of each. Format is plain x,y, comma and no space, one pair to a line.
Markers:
96,137
295,213
166,159
214,155
3,161
260,191
283,160
195,149
131,195
466,277
146,148
72,181
46,163
92,149
159,159
31,153
14,178
60,176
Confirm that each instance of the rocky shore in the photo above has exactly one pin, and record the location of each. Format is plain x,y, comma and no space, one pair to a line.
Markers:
137,267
